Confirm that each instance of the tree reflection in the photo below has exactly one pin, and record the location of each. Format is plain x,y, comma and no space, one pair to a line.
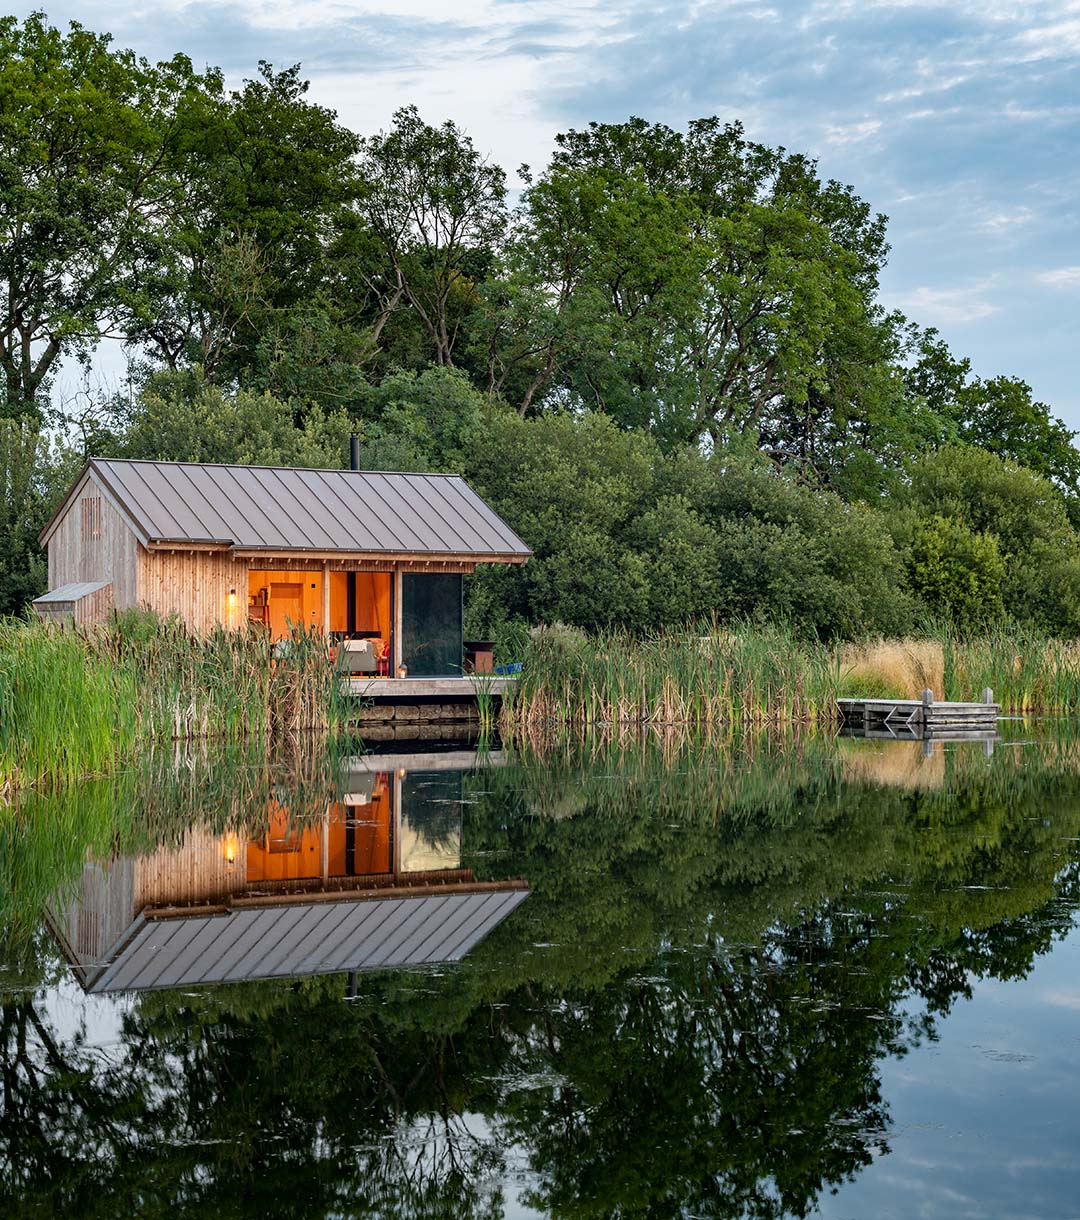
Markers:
688,1016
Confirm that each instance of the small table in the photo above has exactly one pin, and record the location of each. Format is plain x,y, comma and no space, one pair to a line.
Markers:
479,656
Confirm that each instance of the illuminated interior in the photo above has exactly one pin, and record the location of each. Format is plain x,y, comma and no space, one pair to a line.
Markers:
282,600
358,841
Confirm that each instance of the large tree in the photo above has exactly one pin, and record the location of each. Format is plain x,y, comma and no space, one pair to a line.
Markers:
91,157
998,413
691,282
438,209
256,280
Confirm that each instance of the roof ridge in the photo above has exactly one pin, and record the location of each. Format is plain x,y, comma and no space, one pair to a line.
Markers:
432,474
295,508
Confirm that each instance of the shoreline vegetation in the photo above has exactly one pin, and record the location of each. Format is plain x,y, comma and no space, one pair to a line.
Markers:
76,703
759,677
80,702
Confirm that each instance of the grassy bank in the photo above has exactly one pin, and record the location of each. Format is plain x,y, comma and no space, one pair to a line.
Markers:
82,702
758,677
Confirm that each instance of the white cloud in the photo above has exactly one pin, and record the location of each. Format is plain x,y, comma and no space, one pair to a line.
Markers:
1053,41
949,306
1008,220
1061,277
1062,999
850,133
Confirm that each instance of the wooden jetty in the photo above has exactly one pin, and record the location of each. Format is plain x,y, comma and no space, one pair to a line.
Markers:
409,690
919,717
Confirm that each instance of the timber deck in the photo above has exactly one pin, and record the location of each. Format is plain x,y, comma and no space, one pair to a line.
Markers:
408,690
918,717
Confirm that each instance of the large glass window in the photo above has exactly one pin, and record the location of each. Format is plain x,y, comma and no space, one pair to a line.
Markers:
431,625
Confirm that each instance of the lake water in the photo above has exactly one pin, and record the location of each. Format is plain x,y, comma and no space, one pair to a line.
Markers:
770,978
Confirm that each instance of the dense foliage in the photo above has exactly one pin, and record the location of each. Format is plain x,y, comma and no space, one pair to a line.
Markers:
666,364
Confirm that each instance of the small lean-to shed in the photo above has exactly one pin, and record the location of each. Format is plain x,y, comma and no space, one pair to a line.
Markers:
365,555
84,601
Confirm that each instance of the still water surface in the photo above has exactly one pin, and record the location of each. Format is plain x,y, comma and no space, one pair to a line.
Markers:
779,978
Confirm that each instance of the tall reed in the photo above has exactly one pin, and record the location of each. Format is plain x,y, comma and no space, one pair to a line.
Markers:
707,679
717,680
77,702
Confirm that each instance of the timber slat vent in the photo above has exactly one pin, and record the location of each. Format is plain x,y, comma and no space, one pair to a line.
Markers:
90,515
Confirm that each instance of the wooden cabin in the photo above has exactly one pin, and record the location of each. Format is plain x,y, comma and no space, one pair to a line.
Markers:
375,559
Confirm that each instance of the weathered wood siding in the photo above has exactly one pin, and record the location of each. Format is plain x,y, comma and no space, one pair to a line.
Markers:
93,542
194,585
100,911
90,608
199,870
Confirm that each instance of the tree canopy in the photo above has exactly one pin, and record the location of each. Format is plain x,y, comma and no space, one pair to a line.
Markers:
665,359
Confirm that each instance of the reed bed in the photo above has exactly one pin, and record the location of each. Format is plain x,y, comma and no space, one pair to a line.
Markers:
77,702
1027,673
708,680
720,682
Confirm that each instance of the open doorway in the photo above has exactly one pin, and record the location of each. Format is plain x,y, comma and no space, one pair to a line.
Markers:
362,612
284,601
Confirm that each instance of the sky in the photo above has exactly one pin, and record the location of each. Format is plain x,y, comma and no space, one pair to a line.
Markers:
959,120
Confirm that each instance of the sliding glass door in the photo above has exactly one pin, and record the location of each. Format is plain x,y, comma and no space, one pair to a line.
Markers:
431,625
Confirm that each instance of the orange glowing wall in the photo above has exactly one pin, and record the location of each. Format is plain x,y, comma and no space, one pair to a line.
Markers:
277,598
288,853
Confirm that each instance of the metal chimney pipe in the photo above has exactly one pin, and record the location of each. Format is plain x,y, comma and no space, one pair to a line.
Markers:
350,577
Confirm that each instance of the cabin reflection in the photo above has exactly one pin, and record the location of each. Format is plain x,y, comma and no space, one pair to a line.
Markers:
376,882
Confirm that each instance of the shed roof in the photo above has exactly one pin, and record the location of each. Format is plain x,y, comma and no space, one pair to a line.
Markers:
71,593
271,508
292,939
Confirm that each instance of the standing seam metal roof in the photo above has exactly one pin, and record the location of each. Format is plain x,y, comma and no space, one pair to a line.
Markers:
305,938
286,509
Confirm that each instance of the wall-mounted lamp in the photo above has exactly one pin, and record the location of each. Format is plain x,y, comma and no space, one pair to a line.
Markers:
232,599
230,847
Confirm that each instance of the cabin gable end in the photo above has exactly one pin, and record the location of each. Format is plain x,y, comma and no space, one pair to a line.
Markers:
91,540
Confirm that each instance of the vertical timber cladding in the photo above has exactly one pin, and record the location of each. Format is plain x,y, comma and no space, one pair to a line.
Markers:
204,588
205,866
93,542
